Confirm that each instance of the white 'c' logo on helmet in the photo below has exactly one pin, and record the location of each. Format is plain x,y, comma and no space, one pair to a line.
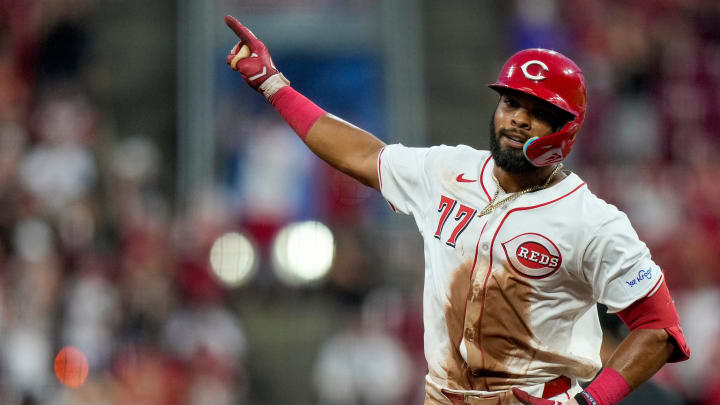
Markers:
538,76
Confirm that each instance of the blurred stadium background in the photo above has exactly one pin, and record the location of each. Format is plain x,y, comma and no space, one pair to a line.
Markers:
157,215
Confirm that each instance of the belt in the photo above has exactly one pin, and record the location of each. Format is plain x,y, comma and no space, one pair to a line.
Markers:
552,388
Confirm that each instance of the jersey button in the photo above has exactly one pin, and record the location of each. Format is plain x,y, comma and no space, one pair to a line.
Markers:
485,246
469,334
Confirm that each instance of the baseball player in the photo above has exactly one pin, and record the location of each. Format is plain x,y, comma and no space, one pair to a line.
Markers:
518,251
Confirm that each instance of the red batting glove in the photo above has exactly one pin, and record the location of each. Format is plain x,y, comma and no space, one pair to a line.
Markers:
528,399
258,69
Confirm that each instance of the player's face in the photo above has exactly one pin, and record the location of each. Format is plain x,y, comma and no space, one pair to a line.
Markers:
519,117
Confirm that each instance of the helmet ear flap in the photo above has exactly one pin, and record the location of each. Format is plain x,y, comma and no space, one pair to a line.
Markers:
570,130
551,148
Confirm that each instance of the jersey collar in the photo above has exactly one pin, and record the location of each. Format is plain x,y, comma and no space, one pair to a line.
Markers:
566,185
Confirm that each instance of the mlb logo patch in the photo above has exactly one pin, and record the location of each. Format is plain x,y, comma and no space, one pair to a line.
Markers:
532,255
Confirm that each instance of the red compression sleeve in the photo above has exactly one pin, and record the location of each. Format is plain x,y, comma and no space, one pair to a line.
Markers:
299,112
658,312
609,388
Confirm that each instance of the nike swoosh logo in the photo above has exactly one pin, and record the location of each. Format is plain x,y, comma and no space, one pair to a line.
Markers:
460,179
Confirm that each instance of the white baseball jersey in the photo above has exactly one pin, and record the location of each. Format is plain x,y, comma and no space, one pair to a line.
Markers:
509,298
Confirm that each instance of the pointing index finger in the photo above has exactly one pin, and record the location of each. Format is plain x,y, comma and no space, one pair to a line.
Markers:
240,30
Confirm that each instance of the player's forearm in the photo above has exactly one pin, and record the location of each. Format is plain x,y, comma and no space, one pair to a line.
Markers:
346,148
341,144
637,358
641,354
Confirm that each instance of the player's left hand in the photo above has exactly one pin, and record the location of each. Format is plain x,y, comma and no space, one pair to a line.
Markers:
528,399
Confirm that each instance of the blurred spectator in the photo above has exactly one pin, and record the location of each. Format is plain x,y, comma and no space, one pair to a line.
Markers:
92,312
274,174
364,364
696,377
536,25
209,339
710,394
144,374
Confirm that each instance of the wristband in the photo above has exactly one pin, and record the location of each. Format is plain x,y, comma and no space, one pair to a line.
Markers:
609,388
299,112
272,85
583,398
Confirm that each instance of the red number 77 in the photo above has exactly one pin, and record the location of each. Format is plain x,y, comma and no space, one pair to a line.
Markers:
464,215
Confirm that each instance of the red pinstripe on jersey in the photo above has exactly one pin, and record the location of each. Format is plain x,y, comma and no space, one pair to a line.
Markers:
380,175
482,183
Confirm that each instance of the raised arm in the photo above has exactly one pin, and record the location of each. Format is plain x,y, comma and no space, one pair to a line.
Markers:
341,144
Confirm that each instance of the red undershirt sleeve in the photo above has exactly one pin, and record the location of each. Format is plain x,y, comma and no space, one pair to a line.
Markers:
657,311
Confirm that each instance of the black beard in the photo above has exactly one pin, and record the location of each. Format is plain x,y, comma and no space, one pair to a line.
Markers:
511,160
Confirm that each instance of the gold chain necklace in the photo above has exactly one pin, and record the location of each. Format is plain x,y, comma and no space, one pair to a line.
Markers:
512,197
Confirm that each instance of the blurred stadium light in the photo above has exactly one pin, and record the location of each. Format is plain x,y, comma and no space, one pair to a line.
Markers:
233,258
303,253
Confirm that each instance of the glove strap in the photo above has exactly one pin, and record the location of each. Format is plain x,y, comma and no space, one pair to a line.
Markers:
583,398
273,84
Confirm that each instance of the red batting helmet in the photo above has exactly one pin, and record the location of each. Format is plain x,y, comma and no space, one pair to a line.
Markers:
553,77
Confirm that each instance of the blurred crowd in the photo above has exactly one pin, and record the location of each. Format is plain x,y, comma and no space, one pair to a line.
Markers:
90,254
93,253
